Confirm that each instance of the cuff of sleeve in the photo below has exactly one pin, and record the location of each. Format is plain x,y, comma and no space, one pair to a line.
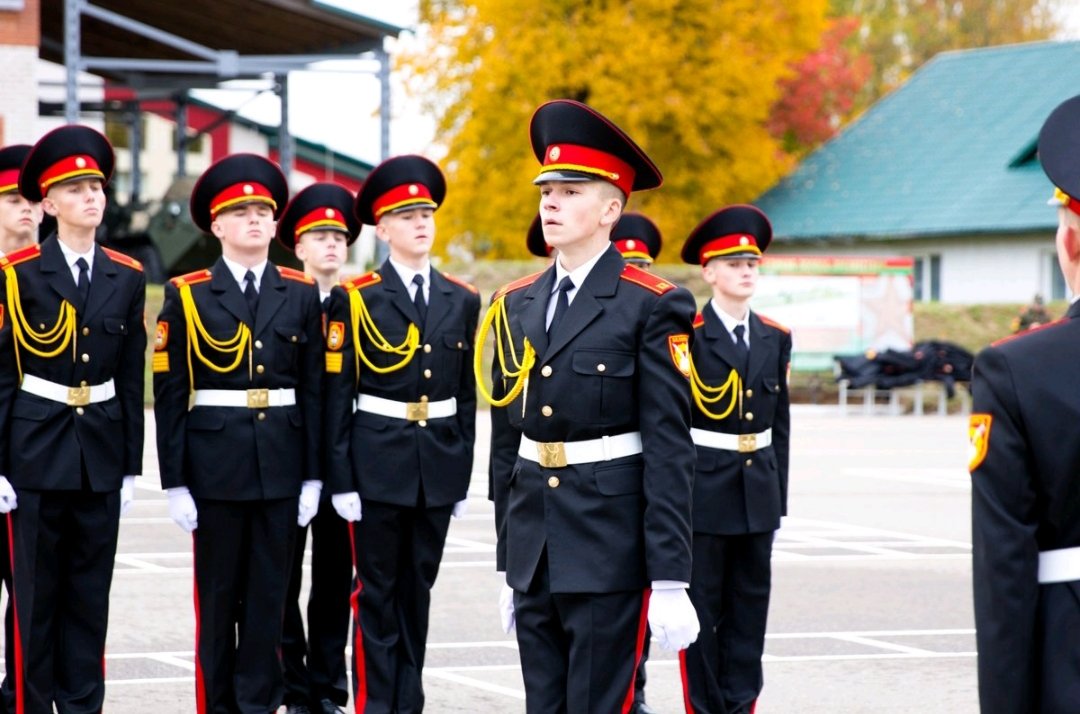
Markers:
669,585
177,490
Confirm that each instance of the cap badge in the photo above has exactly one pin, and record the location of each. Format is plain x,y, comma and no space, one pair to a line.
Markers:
80,162
248,189
744,240
553,153
413,189
631,244
329,212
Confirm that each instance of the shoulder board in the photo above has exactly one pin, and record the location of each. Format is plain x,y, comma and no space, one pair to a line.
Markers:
773,323
123,258
516,285
699,320
199,276
1030,331
458,281
650,281
294,274
361,281
20,256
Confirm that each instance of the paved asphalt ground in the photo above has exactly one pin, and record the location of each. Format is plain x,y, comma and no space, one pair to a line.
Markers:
871,607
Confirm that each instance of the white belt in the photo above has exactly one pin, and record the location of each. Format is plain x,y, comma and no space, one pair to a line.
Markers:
1059,566
556,454
72,396
249,398
743,443
410,411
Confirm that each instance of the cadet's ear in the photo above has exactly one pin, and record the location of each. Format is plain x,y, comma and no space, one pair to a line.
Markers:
1070,234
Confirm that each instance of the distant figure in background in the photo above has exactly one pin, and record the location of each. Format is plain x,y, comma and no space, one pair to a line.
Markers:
1031,316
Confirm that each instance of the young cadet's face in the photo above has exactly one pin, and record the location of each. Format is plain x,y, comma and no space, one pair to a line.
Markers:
19,221
574,211
247,228
409,234
78,204
732,278
322,251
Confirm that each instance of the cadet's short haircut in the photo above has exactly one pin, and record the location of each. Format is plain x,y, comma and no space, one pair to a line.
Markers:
610,190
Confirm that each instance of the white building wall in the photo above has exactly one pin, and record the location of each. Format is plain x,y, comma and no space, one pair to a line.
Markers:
245,140
19,94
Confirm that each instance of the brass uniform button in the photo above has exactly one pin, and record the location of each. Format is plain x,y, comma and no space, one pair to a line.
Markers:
601,367
422,422
85,331
427,348
259,368
79,410
262,416
427,373
749,462
423,398
85,357
82,383
546,370
460,345
546,410
749,393
258,344
294,338
41,326
749,416
553,482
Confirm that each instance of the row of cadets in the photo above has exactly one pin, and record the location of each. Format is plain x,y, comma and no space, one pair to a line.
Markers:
237,385
318,225
741,426
72,352
400,422
594,516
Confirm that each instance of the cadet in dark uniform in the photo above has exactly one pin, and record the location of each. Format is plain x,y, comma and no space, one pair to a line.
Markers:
401,421
597,506
242,343
742,426
319,225
1025,456
72,353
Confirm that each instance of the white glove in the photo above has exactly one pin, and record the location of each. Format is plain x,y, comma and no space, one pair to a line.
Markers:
309,502
182,508
8,500
672,618
127,494
506,609
460,508
347,505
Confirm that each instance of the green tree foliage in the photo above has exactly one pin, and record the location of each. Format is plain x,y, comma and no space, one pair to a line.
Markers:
693,81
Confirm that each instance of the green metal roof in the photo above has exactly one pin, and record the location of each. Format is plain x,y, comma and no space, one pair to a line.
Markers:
952,151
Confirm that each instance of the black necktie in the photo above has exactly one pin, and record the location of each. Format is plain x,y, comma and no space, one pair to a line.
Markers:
84,280
562,303
251,294
742,350
418,298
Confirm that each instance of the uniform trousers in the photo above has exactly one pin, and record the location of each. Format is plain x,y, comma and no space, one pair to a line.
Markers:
242,559
729,587
63,545
315,664
579,651
397,550
7,687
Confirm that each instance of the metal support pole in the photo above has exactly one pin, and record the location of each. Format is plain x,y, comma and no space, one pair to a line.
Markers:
134,118
285,145
181,135
72,52
382,250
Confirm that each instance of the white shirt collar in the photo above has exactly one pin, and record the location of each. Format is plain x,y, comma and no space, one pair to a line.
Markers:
70,256
239,271
730,322
406,273
578,274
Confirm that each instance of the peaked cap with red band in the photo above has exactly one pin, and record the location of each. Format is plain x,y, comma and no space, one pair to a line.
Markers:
534,239
319,207
234,181
400,183
11,160
1059,151
576,143
636,237
67,153
733,232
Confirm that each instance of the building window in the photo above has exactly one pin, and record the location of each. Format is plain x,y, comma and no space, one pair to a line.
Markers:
927,278
1057,280
118,132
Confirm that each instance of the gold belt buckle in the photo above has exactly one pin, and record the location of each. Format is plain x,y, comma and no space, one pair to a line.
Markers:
258,398
747,443
78,396
551,455
416,411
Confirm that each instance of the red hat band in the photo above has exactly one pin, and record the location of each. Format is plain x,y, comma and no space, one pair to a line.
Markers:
325,218
409,194
728,245
633,249
9,180
245,192
571,157
68,168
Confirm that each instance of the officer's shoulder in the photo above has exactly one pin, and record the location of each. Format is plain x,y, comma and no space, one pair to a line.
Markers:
516,285
193,278
361,281
296,275
699,320
1020,337
774,324
123,259
650,281
20,256
458,281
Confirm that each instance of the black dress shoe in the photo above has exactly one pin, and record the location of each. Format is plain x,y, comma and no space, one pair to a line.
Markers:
328,707
642,708
297,709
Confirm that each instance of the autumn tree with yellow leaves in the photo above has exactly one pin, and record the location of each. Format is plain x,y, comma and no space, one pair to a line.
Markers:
693,81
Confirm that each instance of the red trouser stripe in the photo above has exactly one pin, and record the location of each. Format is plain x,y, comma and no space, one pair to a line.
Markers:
359,668
685,683
20,675
200,683
643,623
